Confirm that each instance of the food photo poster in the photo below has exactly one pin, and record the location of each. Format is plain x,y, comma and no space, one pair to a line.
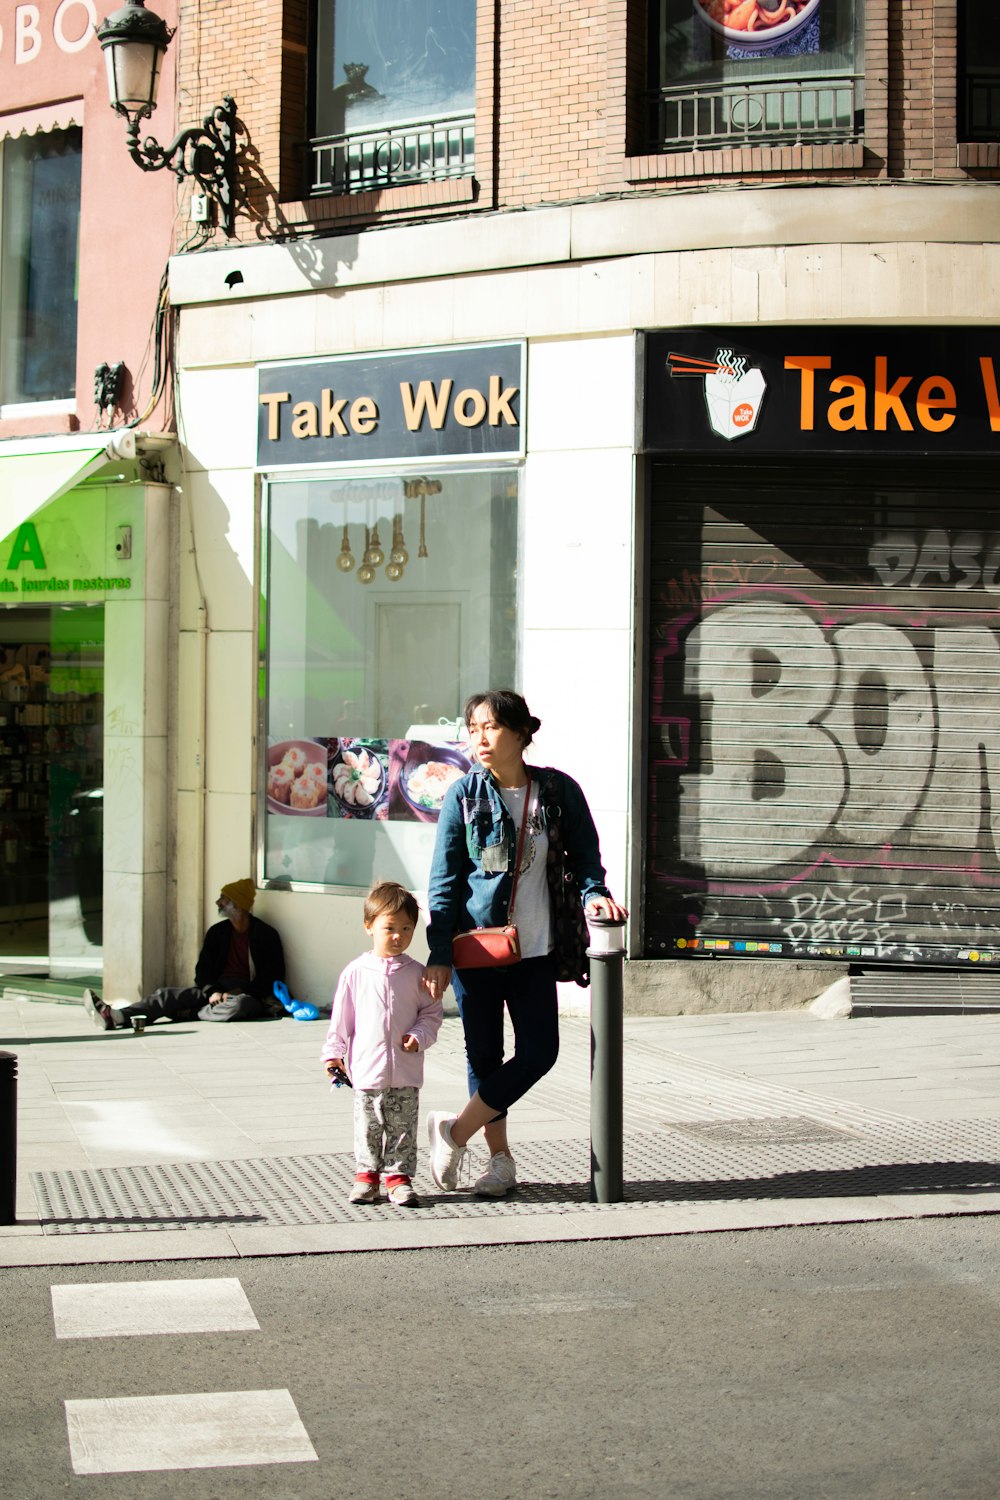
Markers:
746,30
356,777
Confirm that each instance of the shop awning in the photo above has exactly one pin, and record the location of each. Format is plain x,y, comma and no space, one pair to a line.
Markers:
32,475
42,119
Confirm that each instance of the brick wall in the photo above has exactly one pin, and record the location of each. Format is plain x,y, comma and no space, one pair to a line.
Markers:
235,47
553,94
560,115
923,89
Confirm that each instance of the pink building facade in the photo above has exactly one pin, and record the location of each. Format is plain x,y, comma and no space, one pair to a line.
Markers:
85,450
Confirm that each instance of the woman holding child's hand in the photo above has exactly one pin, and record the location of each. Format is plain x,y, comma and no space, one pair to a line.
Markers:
499,810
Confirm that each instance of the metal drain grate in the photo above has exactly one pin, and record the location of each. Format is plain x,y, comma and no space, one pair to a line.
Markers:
783,1130
725,1160
887,992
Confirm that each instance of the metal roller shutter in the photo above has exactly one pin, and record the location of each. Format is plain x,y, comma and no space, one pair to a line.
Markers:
823,754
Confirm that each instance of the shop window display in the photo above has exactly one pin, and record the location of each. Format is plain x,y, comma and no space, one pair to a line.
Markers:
388,600
51,789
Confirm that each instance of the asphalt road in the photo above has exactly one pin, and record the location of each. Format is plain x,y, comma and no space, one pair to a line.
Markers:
848,1363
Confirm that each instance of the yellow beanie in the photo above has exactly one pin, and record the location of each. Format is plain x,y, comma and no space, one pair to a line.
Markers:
241,893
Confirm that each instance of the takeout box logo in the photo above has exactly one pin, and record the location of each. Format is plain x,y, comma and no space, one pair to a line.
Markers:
734,390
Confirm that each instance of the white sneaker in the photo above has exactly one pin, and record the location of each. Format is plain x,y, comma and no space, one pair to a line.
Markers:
446,1157
403,1195
364,1192
499,1179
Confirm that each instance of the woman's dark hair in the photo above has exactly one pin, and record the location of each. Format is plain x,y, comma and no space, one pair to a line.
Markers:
506,708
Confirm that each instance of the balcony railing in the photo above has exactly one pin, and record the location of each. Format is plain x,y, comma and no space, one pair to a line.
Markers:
982,106
758,112
394,156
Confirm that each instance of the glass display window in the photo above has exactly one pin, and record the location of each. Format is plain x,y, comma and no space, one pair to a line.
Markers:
52,790
388,600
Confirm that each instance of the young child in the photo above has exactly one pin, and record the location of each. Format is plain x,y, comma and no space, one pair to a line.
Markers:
383,1020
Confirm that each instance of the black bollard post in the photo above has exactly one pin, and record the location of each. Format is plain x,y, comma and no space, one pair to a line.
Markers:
8,1137
607,959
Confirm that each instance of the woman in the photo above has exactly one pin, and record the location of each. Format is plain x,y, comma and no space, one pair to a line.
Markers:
472,875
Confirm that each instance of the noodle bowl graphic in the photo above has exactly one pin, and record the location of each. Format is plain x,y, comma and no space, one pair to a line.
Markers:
753,25
734,390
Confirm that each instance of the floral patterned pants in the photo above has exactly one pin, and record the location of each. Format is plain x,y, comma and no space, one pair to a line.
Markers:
385,1130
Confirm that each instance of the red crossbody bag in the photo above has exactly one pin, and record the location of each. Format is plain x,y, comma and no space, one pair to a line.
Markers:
494,947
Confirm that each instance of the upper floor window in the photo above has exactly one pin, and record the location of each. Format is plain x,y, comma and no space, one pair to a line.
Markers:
979,73
755,72
39,240
395,92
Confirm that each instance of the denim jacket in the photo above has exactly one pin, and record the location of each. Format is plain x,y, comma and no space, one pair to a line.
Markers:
472,872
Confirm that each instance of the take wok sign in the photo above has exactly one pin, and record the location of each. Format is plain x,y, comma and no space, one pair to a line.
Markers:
425,404
823,390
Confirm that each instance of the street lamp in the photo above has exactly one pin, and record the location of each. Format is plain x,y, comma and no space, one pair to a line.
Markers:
134,40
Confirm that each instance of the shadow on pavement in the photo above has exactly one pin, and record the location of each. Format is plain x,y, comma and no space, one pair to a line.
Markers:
95,1036
845,1182
150,1221
838,1182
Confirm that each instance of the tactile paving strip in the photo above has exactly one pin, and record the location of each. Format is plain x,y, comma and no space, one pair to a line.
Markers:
726,1160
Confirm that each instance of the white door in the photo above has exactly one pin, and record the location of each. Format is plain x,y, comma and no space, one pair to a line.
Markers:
418,661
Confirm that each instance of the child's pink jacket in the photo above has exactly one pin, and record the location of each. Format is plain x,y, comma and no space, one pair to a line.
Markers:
377,1001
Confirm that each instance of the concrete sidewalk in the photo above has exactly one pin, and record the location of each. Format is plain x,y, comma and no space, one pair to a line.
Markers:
197,1141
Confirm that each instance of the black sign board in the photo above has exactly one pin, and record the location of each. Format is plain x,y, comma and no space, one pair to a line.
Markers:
424,404
823,390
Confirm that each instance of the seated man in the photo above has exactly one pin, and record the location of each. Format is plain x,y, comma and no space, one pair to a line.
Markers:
240,959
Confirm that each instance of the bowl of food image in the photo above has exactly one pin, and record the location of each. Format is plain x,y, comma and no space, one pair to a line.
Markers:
357,779
296,778
756,24
427,773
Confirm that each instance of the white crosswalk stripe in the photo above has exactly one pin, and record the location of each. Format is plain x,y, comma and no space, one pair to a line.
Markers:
201,1430
223,1429
116,1309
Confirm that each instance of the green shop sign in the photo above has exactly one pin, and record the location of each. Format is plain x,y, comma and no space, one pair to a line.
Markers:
71,547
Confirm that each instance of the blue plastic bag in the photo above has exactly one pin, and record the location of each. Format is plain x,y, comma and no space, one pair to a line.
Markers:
299,1010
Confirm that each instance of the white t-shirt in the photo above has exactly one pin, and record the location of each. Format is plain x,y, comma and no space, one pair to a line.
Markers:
532,908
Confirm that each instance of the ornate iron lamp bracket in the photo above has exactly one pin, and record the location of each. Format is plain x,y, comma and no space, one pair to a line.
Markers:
206,153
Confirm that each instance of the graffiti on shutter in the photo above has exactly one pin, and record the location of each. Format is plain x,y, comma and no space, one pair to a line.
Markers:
824,761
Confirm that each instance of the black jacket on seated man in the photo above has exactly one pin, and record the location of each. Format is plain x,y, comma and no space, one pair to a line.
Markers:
266,955
234,977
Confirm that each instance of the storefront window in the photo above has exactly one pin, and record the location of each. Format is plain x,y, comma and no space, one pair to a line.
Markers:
388,601
51,789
